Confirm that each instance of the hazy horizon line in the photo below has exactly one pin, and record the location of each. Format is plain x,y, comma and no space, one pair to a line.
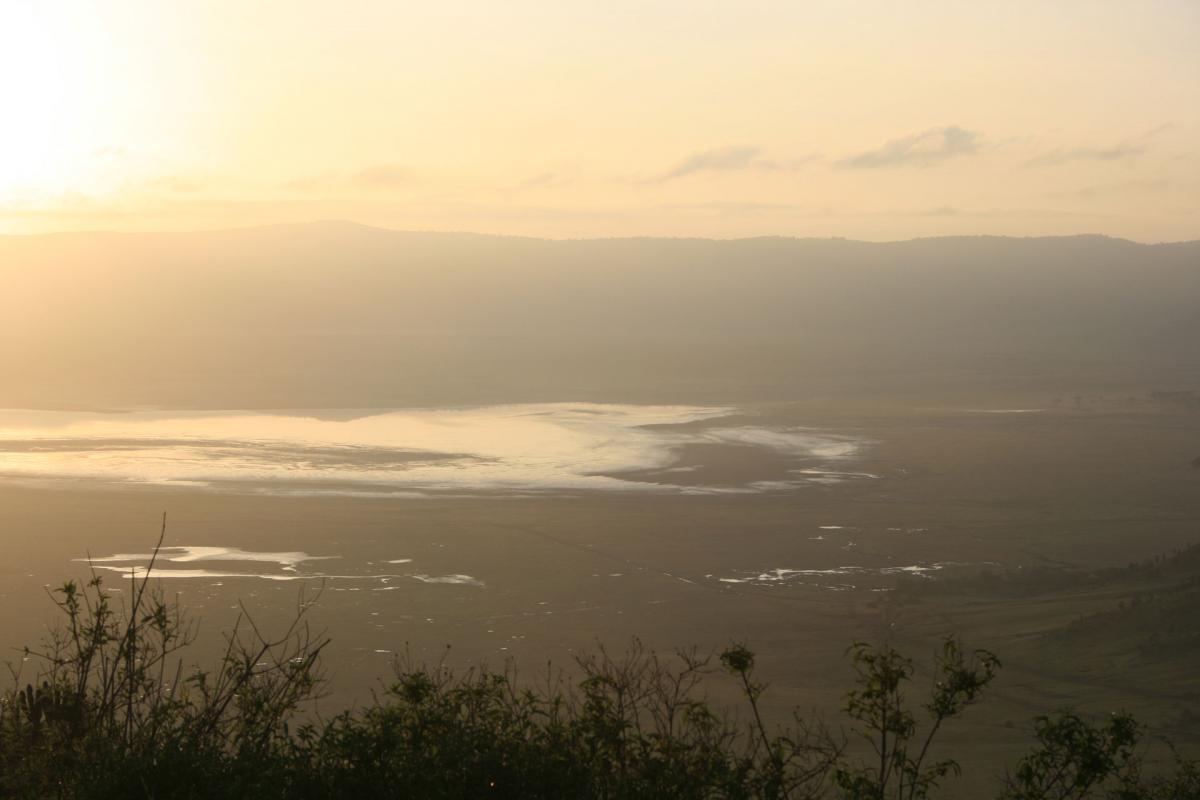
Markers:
469,233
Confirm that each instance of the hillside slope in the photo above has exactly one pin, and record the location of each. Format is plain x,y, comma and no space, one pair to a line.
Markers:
341,314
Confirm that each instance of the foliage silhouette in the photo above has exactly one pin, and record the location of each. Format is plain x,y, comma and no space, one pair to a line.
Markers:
112,712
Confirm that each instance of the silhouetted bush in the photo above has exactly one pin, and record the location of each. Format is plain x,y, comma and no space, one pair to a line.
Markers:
110,712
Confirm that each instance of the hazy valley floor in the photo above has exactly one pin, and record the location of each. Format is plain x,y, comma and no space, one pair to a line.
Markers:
796,574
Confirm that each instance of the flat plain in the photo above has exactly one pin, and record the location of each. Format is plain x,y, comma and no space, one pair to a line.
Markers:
1000,525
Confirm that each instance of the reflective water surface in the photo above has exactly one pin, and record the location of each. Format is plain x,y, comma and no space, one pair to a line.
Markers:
515,449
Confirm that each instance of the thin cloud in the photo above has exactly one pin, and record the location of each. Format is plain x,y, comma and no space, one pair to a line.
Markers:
310,183
1111,189
1118,152
545,180
920,149
381,176
787,165
722,159
732,159
377,176
737,208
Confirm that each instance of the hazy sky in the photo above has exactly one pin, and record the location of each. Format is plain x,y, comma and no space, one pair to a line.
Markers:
563,118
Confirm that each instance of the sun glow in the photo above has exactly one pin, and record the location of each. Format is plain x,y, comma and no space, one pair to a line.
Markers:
583,119
57,86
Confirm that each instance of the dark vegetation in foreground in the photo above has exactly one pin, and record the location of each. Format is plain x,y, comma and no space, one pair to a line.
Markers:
111,712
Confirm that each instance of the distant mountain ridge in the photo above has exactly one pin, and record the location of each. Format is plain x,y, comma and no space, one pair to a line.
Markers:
345,225
340,314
